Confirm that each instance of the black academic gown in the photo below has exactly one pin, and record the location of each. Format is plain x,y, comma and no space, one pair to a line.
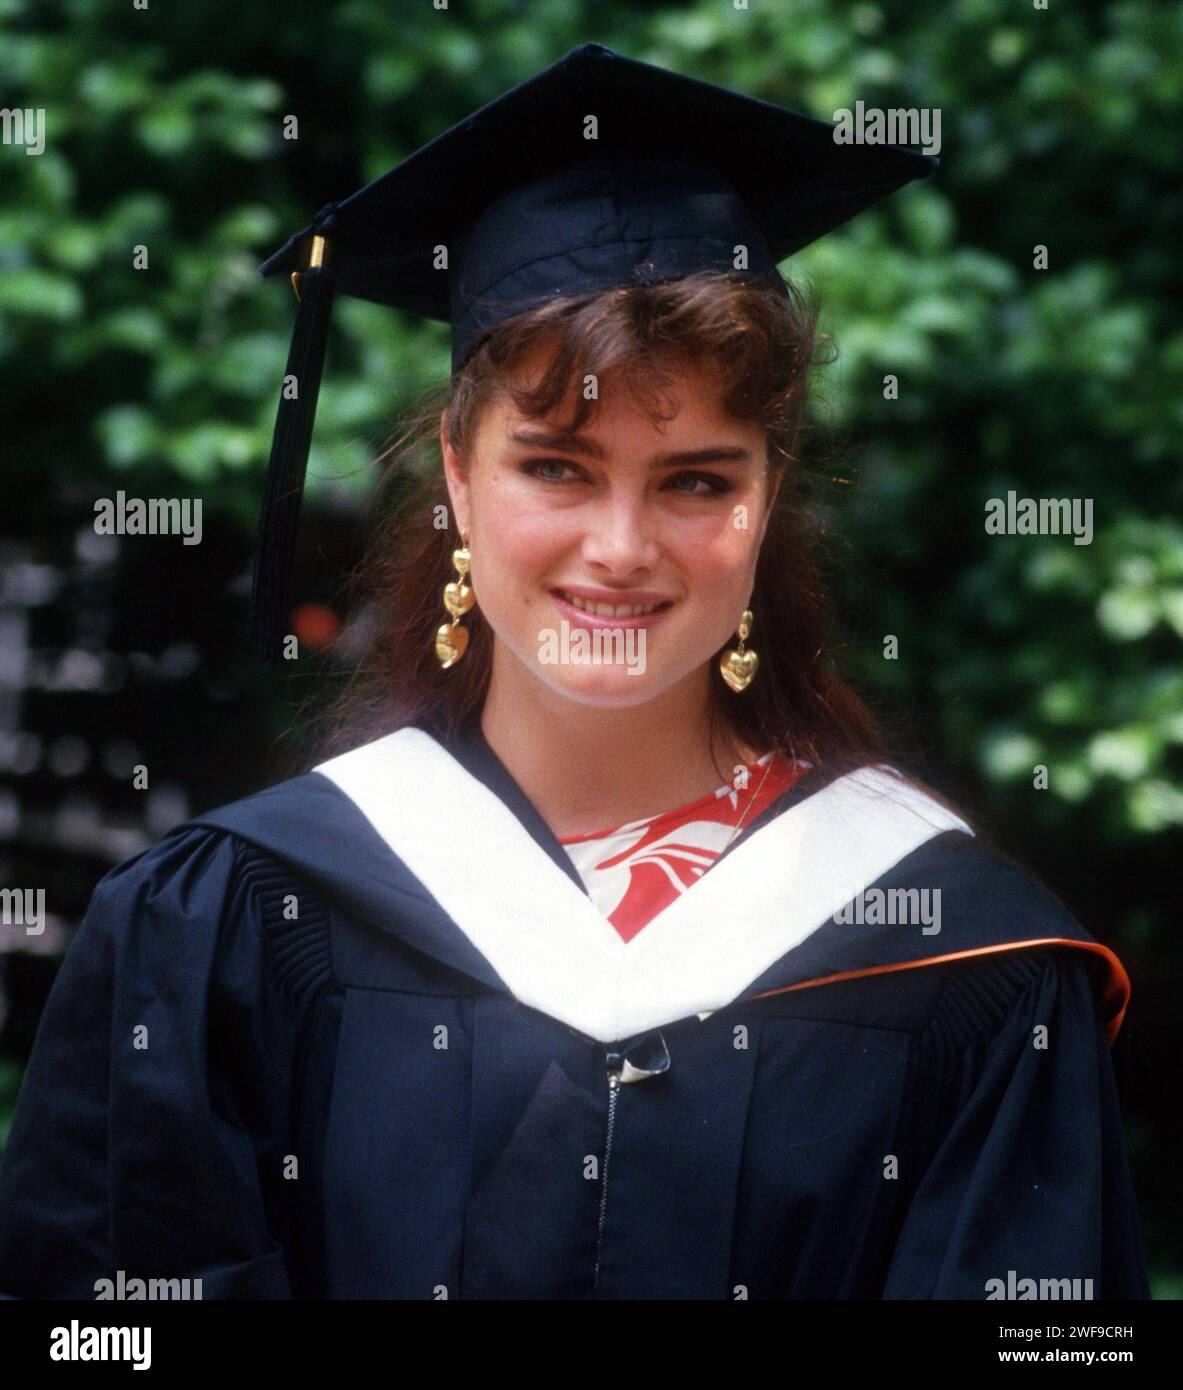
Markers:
275,1061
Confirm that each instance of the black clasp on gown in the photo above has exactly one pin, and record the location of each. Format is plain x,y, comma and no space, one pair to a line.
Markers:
640,1058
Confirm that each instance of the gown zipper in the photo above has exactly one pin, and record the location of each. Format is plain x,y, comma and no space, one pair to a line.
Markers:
615,1066
636,1060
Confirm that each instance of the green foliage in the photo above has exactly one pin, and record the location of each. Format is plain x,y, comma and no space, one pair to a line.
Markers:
1064,382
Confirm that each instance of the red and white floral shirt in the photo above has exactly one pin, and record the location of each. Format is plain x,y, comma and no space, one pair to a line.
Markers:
633,871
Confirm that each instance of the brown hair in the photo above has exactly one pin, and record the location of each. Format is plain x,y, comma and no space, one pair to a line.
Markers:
760,345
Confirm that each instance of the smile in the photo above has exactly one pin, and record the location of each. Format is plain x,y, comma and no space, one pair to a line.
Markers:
609,610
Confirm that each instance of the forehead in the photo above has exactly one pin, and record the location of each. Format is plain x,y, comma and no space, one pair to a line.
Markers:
678,395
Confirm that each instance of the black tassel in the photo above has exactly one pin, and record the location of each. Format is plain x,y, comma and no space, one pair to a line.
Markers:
279,518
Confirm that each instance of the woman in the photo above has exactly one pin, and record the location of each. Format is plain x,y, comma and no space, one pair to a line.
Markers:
603,957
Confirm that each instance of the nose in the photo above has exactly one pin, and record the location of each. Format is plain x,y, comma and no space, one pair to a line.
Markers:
621,534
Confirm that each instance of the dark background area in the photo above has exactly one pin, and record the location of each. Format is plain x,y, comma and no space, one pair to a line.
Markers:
164,128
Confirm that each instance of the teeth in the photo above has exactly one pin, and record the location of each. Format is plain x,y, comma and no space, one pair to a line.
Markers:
610,610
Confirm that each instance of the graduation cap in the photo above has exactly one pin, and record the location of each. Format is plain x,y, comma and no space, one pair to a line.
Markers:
597,172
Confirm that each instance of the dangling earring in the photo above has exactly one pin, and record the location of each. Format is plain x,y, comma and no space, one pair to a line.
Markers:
451,640
737,665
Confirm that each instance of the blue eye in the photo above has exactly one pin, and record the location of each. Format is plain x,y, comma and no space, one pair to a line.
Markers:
533,467
714,483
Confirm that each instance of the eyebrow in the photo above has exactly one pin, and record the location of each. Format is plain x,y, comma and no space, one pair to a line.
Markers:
580,444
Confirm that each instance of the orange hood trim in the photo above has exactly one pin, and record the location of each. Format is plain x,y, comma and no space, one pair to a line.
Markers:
1117,986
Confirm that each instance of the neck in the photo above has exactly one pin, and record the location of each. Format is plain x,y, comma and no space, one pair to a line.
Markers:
586,768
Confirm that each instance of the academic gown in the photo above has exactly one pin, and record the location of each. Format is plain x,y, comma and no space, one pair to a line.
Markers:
364,1035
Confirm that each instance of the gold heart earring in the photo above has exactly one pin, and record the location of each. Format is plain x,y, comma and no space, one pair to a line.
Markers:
451,640
737,665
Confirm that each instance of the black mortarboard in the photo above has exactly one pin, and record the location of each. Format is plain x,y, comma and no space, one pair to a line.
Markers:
598,171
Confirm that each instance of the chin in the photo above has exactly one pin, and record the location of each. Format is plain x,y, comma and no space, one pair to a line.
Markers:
603,688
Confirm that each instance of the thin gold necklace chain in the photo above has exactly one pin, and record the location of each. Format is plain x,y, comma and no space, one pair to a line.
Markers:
751,803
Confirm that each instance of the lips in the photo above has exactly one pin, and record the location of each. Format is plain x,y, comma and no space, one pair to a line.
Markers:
635,609
631,605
